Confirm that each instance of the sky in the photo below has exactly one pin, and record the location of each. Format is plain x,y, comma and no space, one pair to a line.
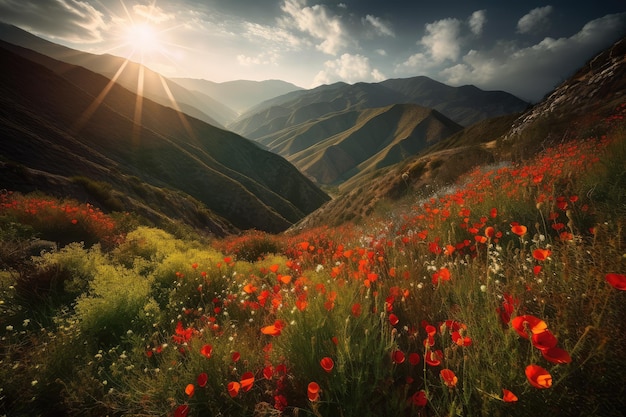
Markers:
523,47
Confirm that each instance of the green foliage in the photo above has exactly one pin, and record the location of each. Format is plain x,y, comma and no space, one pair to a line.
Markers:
101,191
117,301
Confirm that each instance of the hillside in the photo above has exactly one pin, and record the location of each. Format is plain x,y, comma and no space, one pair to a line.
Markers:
346,144
95,132
591,94
126,73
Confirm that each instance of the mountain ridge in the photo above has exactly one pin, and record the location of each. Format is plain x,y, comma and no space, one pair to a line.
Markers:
166,149
595,91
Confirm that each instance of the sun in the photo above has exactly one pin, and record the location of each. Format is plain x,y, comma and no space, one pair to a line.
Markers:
143,37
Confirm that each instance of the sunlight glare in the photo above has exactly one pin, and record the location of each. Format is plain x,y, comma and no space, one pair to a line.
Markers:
143,37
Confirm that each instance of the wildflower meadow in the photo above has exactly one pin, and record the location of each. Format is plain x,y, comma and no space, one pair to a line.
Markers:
501,295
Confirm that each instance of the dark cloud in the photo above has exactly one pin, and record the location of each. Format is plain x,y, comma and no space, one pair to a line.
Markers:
71,20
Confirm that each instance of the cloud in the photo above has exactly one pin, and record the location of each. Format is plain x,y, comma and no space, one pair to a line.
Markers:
380,27
265,58
477,20
70,20
272,37
442,39
535,20
419,63
348,68
318,23
152,13
532,71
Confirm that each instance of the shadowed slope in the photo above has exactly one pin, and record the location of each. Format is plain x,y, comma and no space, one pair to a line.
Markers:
51,125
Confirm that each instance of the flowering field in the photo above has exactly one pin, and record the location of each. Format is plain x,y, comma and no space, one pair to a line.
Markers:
502,296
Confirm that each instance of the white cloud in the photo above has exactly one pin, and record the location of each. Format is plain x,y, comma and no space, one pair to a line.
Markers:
318,23
271,36
70,20
532,71
442,39
152,13
419,63
380,27
477,20
349,68
535,20
264,58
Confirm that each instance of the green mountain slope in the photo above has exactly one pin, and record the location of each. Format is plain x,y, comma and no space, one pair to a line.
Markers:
594,92
73,129
352,143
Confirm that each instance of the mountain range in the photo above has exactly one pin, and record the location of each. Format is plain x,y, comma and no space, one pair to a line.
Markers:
595,91
335,132
81,129
225,157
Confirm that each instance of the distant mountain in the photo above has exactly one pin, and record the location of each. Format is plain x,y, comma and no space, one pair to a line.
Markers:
79,135
464,105
318,130
154,86
594,92
239,95
350,143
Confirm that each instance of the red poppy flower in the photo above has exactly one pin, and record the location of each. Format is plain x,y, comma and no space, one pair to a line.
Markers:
327,364
249,288
556,355
617,280
534,324
203,378
480,239
247,380
538,377
419,399
190,389
442,275
433,358
207,350
414,358
285,279
313,391
544,340
449,378
519,229
393,319
268,372
356,309
236,356
460,339
233,388
541,254
181,411
398,356
272,330
508,396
